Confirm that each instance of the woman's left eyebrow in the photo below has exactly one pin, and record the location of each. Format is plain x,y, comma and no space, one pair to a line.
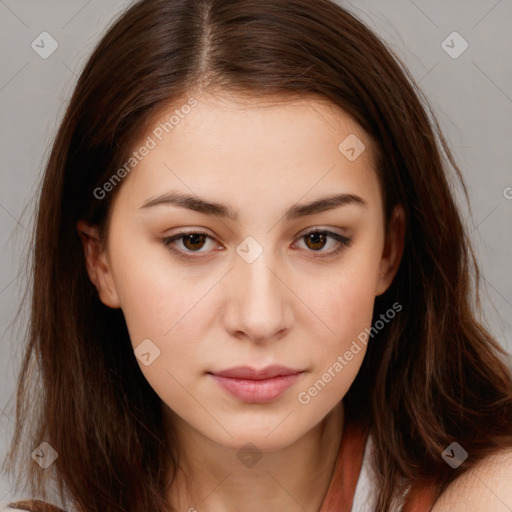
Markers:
193,202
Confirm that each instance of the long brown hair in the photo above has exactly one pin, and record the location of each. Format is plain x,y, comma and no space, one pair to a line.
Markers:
432,376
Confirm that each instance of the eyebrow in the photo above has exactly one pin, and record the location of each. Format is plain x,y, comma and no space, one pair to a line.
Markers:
296,211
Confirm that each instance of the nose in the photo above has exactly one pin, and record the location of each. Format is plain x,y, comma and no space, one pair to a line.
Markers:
259,304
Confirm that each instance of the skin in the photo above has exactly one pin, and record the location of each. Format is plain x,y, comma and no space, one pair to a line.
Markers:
485,487
214,310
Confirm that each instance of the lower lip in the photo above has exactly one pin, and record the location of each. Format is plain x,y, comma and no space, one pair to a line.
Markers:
257,391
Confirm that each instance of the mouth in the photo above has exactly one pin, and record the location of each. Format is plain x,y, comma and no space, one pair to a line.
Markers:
256,386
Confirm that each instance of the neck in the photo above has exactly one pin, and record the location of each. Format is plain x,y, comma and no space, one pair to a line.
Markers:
210,477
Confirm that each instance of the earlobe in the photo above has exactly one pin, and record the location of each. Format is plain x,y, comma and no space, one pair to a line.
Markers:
393,250
97,264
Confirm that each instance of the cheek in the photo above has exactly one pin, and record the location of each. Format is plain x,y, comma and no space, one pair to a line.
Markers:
345,304
157,296
346,298
338,355
163,314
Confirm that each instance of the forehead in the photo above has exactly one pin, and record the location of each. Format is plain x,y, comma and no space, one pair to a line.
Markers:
251,149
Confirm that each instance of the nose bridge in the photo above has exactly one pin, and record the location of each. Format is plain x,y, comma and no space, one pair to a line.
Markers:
262,308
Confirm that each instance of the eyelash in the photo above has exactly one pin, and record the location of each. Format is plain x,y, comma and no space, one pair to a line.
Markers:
343,242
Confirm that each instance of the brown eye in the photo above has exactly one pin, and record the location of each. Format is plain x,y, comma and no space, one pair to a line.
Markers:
190,243
316,239
194,241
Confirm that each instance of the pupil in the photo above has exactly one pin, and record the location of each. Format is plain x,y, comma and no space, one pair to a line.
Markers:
316,238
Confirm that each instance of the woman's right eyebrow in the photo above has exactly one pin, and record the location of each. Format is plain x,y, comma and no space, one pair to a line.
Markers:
194,202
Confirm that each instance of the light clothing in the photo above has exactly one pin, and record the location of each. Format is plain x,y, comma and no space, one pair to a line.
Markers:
365,497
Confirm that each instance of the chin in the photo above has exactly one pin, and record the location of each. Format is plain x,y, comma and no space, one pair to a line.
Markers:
264,439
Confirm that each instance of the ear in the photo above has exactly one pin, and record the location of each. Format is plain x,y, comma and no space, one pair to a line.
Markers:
393,250
97,263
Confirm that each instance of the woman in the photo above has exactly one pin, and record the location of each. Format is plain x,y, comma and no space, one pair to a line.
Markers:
319,352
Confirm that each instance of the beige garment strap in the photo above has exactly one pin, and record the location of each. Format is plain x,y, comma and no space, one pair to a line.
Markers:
35,506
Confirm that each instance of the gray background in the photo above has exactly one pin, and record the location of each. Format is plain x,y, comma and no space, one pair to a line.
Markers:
471,96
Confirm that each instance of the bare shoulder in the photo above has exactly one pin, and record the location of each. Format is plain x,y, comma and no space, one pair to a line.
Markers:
488,486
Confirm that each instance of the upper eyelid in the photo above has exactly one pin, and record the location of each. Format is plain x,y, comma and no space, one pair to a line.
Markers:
305,232
203,231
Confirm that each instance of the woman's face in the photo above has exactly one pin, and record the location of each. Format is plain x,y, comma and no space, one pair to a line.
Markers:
251,288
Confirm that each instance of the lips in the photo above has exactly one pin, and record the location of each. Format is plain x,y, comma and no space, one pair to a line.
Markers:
246,372
256,386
